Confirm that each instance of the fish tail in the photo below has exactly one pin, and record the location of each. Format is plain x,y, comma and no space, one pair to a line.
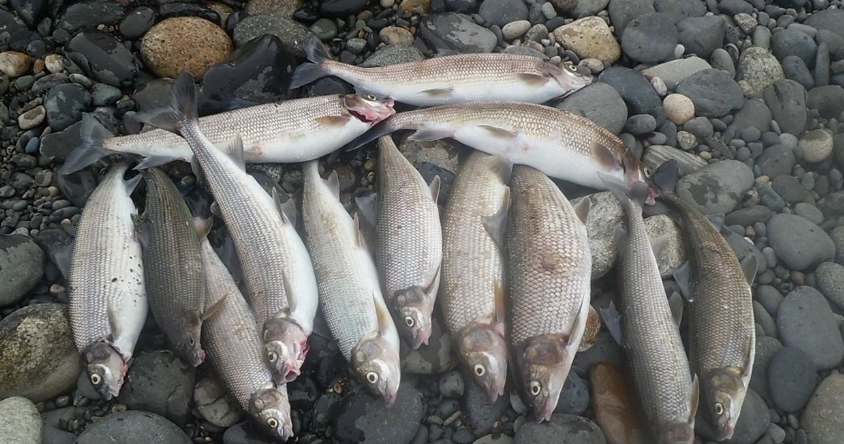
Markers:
93,134
309,72
182,108
638,193
665,177
385,127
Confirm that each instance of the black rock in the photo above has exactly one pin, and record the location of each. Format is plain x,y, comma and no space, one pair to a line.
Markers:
342,8
754,114
77,187
137,22
183,9
302,392
650,38
600,103
152,95
789,188
752,423
733,7
161,383
636,91
701,35
481,413
787,101
828,100
65,104
59,144
562,429
461,6
574,398
105,95
246,433
457,32
623,11
363,417
21,38
8,22
794,42
108,61
30,11
133,427
713,92
795,69
791,378
90,14
776,161
501,12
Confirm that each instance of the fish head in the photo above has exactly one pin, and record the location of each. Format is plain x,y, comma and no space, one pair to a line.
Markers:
286,346
378,367
636,171
271,410
569,77
368,108
723,395
677,433
414,307
484,351
543,368
189,346
106,369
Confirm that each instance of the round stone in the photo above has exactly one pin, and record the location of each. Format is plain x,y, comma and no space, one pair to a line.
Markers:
20,422
678,108
184,43
21,267
589,37
817,145
14,64
133,427
394,35
798,242
514,30
806,322
824,414
791,378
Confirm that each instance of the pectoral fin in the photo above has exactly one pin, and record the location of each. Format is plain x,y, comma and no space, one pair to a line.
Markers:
428,134
333,121
496,224
612,319
333,183
533,79
717,221
499,133
385,322
434,188
683,277
675,303
234,150
582,209
749,266
213,309
604,156
368,206
441,93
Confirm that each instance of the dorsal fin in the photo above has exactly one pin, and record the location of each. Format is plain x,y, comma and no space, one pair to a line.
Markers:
612,319
131,184
749,266
368,206
333,183
683,277
582,209
234,150
434,188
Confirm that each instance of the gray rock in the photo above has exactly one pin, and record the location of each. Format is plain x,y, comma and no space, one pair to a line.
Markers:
752,423
816,145
363,417
828,19
21,267
787,102
766,348
754,114
106,59
434,358
294,36
393,55
796,43
798,242
599,103
680,8
789,188
501,12
677,70
458,32
713,92
828,100
832,205
451,384
133,427
481,413
20,422
52,435
759,68
809,212
701,35
805,321
637,92
776,161
495,438
623,11
748,216
586,8
795,69
824,414
792,379
722,60
769,297
65,104
656,155
830,279
215,404
650,38
38,359
605,349
574,398
562,429
733,7
161,383
247,433
104,95
640,124
718,188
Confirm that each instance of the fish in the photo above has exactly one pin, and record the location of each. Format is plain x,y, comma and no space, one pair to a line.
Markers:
173,273
409,242
550,268
649,332
290,131
473,295
278,272
108,300
561,144
722,331
235,350
349,290
451,79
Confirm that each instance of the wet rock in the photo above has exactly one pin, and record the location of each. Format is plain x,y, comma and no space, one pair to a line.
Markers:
21,267
599,103
434,358
364,417
787,101
105,95
32,118
457,32
798,242
650,38
759,68
677,70
184,43
137,22
616,412
824,415
106,59
14,64
806,322
215,404
294,36
482,414
562,429
84,15
20,422
752,423
501,12
394,35
713,92
701,35
281,8
133,427
636,91
342,8
574,398
65,104
791,378
393,55
161,383
589,37
718,188
451,384
38,359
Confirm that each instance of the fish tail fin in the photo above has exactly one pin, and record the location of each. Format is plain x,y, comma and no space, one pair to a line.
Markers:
381,129
309,72
665,177
93,134
182,108
638,193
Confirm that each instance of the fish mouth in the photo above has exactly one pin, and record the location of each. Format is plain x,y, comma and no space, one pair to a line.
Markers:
725,434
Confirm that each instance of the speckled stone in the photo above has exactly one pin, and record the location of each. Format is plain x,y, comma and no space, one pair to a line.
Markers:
180,43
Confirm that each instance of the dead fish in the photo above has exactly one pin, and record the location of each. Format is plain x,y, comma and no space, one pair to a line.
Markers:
473,298
451,79
550,281
108,301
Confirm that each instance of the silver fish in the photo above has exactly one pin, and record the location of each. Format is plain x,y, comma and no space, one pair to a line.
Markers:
108,301
235,350
649,333
473,298
291,131
349,290
451,79
550,276
560,144
277,267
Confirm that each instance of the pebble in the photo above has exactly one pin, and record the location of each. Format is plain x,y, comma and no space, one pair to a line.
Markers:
776,161
451,384
20,422
713,92
392,55
21,267
678,108
137,22
656,155
650,38
830,280
294,36
32,118
108,60
640,124
436,357
562,429
501,12
827,100
791,378
14,64
753,421
393,35
793,42
816,145
281,8
589,37
599,103
184,43
495,438
133,427
64,105
766,348
795,69
363,417
701,35
38,359
459,32
824,415
798,242
83,15
615,409
52,435
787,102
514,30
635,89
809,212
759,68
718,188
622,12
754,114
677,70
806,322
574,398
482,414
215,404
161,383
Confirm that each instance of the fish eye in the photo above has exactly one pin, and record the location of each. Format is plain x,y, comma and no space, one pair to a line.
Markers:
272,422
372,377
571,67
409,321
369,97
719,409
96,379
272,356
480,370
535,388
191,342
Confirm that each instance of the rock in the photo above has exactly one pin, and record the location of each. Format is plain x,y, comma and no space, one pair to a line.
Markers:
656,155
107,60
718,188
793,42
754,114
791,378
20,422
184,43
806,322
680,8
650,38
458,32
562,429
615,409
574,398
104,95
586,8
766,348
713,92
795,69
787,101
435,358
161,383
30,11
759,68
636,91
832,205
824,415
501,12
32,118
21,267
776,161
65,104
828,100
342,8
451,384
701,35
247,433
52,435
816,145
798,242
81,15
809,212
605,349
281,8
364,417
599,103
294,36
495,438
215,404
752,423
393,35
678,108
677,70
38,359
482,414
830,279
748,216
623,11
415,7
640,124
137,22
133,427
514,30
393,55
589,37
14,64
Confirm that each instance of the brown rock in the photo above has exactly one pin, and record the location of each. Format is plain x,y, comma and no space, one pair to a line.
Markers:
393,35
589,37
14,64
615,407
223,10
278,8
590,333
410,7
184,43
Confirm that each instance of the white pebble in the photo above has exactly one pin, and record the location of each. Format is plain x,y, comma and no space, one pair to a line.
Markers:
679,51
548,10
54,63
593,65
816,145
678,108
659,86
514,30
387,3
686,140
